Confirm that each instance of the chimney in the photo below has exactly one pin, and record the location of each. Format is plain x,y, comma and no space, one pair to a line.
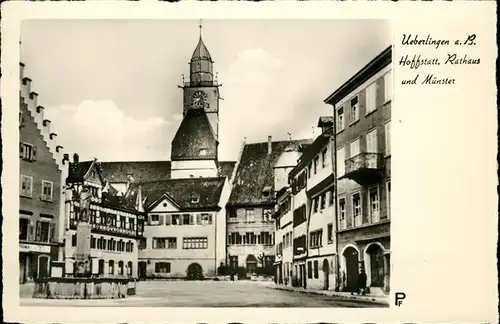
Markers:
65,158
75,158
269,145
21,70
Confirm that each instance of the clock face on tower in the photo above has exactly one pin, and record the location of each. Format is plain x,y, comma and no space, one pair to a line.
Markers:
198,99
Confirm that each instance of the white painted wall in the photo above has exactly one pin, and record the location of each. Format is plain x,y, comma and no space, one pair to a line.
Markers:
196,169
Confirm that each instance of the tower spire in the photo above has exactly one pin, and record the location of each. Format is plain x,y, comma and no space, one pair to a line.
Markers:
201,26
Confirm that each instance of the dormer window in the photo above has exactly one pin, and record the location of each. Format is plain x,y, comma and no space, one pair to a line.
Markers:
203,152
266,192
195,199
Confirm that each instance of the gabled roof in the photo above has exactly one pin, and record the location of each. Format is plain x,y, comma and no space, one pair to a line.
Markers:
194,135
139,170
181,191
78,171
309,153
255,172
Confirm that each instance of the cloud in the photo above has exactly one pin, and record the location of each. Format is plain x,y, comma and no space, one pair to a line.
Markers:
100,129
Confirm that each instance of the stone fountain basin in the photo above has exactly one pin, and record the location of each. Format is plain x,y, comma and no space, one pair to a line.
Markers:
84,288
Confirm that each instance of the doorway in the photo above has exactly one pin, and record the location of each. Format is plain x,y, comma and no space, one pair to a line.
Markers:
377,272
142,269
326,274
194,272
351,262
43,266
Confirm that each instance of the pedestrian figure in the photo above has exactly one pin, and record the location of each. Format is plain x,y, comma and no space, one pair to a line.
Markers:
362,282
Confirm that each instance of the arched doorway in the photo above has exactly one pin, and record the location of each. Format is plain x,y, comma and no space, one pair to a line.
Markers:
194,272
142,269
326,274
376,265
351,267
251,264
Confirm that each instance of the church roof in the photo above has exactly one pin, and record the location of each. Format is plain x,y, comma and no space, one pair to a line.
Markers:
201,52
139,170
207,192
195,139
255,172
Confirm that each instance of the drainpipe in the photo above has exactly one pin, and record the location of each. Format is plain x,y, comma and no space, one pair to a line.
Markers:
333,138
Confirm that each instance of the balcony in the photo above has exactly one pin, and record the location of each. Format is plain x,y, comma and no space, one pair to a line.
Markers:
364,168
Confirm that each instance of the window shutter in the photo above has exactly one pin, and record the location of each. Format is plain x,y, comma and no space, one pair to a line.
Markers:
168,219
52,231
33,156
198,219
160,219
38,231
210,219
30,230
21,149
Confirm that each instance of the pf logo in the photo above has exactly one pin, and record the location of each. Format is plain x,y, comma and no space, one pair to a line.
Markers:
399,297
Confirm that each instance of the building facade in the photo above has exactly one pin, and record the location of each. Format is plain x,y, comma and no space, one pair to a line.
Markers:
41,167
116,226
184,235
250,226
320,187
362,110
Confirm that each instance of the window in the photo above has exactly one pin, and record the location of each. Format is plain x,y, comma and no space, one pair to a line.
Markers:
323,201
265,238
316,239
331,195
354,109
120,267
232,213
164,243
129,268
73,240
24,226
388,86
342,215
141,245
206,219
122,222
92,242
195,243
44,231
309,270
340,162
299,215
267,215
101,266
316,269
186,219
47,190
131,223
388,138
249,215
27,152
26,186
355,148
371,142
330,233
356,208
316,163
315,203
371,97
111,267
374,205
234,238
388,188
176,219
195,199
324,158
340,119
155,218
162,267
309,168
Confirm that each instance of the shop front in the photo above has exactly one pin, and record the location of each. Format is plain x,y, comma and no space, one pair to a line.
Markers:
35,261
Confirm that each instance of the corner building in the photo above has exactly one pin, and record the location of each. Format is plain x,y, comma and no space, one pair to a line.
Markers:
362,113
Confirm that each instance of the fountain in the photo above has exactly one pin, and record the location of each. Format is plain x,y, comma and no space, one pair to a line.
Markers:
81,285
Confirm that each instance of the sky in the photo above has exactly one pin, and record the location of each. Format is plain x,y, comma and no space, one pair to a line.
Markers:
110,87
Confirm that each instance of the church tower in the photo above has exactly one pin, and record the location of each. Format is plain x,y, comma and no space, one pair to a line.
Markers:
195,145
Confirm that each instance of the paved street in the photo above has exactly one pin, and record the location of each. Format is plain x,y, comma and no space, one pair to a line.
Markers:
209,294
